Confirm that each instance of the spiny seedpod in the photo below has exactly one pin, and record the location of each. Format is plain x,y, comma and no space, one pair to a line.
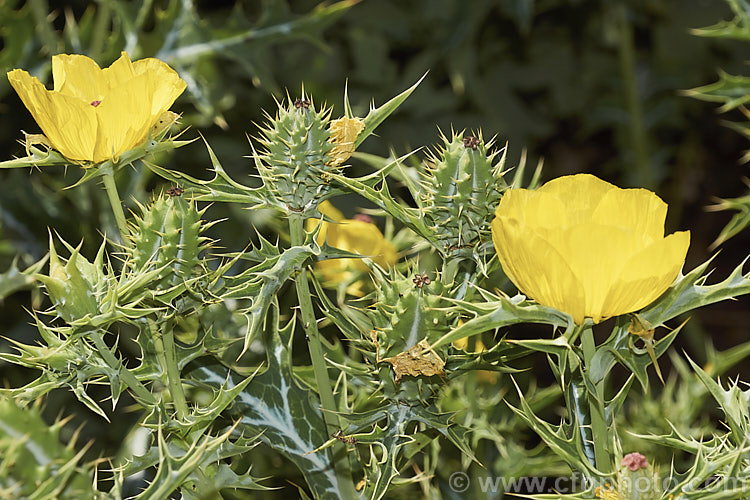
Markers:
296,153
75,285
407,320
460,190
167,237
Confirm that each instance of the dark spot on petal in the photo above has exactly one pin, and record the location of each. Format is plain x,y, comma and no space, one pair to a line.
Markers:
95,103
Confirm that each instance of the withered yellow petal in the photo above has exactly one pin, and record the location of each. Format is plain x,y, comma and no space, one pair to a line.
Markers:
344,132
587,247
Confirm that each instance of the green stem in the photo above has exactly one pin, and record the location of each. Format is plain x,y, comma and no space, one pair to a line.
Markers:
320,368
114,200
40,13
599,428
457,273
101,26
165,351
626,53
145,396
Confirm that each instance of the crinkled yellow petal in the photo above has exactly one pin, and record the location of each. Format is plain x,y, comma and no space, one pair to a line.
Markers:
581,194
165,84
647,274
124,117
637,209
68,122
78,76
537,268
595,254
533,208
119,72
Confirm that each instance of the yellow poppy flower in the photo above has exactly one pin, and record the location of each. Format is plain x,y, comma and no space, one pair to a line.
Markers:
95,114
352,235
586,247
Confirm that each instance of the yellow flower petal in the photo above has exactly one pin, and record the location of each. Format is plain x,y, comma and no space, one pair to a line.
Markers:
69,123
326,208
640,210
595,254
165,84
119,72
587,247
78,76
124,119
580,193
647,274
537,268
534,208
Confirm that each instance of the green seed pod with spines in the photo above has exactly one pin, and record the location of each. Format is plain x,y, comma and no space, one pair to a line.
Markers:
409,310
296,155
460,191
167,236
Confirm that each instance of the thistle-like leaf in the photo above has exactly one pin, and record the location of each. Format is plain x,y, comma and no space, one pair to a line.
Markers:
287,415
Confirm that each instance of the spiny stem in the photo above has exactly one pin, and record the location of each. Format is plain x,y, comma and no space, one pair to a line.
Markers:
165,350
114,200
599,430
145,396
320,369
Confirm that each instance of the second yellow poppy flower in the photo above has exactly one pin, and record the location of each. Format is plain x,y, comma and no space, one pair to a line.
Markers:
586,247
